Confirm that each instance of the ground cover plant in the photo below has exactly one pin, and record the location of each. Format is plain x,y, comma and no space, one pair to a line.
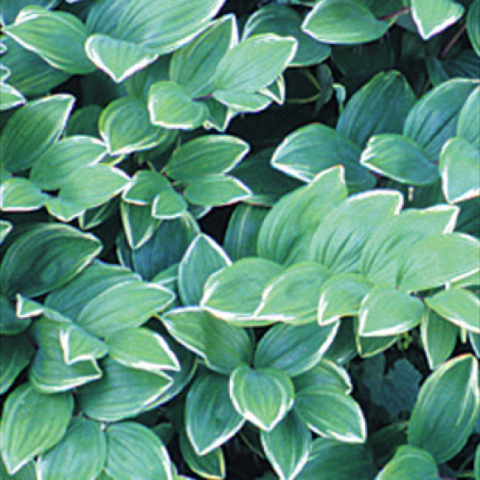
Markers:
240,239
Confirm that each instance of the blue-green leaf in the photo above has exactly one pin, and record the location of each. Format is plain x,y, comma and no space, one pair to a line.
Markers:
267,409
125,127
32,129
80,455
447,409
434,16
287,446
171,106
343,22
118,58
219,420
46,257
203,258
400,158
31,424
460,170
266,55
294,349
147,457
47,33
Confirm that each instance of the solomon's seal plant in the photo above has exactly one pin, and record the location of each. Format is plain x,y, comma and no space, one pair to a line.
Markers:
239,239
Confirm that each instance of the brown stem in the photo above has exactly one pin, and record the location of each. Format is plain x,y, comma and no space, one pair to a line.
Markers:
402,11
453,40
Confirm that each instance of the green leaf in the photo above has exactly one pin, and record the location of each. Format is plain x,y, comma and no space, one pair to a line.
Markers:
284,21
147,456
242,231
331,414
439,338
162,27
294,349
460,170
32,423
20,195
118,59
138,390
266,410
44,258
51,375
216,190
92,186
433,119
15,355
10,324
180,379
388,311
458,306
434,16
125,127
384,251
341,236
298,214
144,187
203,258
62,209
292,296
473,30
138,223
234,292
171,106
32,129
5,228
287,446
267,184
341,296
211,465
46,33
394,391
194,65
326,375
468,125
410,462
166,247
10,97
11,8
400,158
29,73
125,305
447,409
371,110
219,420
206,155
437,260
298,155
142,349
266,55
70,299
241,101
63,160
168,205
80,455
343,22
25,473
78,345
223,346
327,460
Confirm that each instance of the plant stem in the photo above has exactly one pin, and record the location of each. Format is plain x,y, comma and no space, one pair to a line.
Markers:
402,11
453,40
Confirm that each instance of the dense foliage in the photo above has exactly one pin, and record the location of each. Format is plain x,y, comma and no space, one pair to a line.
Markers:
240,239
